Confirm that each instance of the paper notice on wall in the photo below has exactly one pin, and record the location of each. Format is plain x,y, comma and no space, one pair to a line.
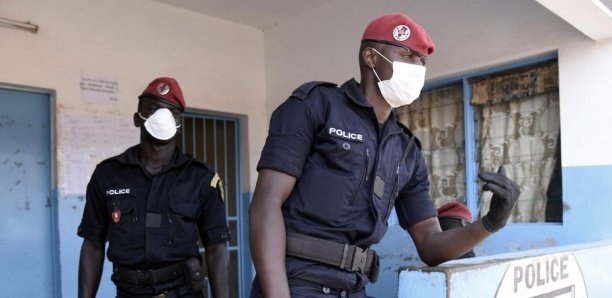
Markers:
98,89
87,139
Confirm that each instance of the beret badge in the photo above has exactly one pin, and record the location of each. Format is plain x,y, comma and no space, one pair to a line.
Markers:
401,32
163,88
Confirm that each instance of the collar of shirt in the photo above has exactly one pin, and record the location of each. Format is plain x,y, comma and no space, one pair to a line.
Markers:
353,91
131,156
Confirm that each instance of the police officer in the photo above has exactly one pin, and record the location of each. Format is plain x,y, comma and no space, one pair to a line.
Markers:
336,162
455,215
151,203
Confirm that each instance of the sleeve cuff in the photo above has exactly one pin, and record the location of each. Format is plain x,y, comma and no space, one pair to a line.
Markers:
415,208
215,236
91,233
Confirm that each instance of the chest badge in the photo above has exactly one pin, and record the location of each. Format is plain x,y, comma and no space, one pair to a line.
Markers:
116,216
347,135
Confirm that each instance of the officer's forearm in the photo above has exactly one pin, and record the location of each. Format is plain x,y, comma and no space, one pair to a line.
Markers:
90,268
267,238
267,231
452,244
436,247
217,263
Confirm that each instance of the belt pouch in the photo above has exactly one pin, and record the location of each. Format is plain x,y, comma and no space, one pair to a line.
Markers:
194,276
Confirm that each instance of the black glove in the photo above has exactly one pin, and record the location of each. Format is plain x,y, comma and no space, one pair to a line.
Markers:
505,194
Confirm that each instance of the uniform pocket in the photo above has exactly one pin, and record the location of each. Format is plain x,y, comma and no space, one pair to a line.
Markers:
123,217
182,217
341,154
363,176
394,193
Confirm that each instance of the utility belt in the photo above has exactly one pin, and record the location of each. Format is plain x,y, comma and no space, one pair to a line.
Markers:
344,256
191,269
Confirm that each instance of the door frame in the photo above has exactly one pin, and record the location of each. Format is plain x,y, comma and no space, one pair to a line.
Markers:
245,275
53,224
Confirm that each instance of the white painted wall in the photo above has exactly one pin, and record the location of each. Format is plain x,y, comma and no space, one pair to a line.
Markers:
219,65
585,77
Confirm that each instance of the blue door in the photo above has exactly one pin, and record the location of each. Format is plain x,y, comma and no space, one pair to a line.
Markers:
27,249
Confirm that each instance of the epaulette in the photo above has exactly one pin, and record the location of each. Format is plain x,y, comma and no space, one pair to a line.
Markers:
111,159
408,132
199,163
215,180
303,91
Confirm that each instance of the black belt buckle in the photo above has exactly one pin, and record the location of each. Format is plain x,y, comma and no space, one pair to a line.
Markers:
145,276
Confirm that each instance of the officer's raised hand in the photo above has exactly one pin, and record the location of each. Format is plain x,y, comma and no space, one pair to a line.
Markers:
505,194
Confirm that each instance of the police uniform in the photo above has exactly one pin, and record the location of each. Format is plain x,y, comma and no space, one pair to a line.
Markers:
351,171
152,222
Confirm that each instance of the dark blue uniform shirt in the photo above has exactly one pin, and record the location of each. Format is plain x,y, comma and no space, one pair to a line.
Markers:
350,169
152,221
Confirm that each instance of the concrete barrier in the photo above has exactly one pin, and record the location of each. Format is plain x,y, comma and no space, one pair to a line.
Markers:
583,270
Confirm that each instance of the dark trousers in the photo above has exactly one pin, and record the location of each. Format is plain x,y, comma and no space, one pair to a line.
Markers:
171,289
311,279
171,293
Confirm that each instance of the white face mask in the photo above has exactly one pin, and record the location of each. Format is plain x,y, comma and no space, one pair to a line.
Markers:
405,84
161,124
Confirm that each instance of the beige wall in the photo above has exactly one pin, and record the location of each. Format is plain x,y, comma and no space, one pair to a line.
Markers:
219,64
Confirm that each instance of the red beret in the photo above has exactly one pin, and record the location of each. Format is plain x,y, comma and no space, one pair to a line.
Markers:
455,210
400,30
165,89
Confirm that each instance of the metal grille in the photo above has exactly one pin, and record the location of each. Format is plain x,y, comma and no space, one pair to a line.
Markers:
215,141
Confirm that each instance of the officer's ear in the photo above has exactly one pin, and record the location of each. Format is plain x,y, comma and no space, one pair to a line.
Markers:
137,120
369,57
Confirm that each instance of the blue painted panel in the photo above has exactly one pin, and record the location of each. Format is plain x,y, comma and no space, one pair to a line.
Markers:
587,202
70,208
26,241
587,199
396,250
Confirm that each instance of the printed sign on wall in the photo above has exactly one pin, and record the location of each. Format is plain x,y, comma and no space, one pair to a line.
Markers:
95,88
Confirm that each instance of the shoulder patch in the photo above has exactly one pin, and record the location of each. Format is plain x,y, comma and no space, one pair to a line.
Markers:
303,91
215,180
217,183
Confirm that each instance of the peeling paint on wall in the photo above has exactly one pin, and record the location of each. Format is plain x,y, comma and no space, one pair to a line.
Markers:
6,121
